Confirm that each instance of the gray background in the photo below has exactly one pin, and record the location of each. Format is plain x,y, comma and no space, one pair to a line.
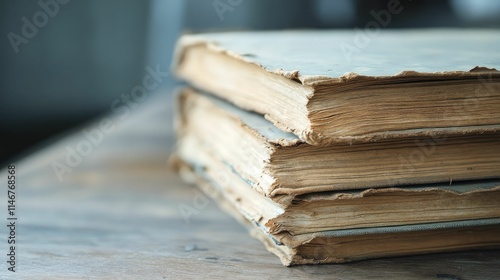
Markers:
93,51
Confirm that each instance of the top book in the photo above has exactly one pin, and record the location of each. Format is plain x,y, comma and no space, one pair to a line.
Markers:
331,87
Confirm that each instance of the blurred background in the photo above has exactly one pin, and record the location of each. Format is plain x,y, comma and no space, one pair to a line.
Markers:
64,63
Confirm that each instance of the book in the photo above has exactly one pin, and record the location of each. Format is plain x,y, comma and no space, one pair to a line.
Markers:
288,216
326,88
277,163
347,245
332,153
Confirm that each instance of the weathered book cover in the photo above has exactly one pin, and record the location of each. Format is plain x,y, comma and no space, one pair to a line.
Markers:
326,88
278,163
347,245
287,216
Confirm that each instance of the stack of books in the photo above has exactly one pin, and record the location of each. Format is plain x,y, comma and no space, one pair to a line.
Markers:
333,151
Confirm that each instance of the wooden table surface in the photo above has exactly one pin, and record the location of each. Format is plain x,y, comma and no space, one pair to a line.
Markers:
117,216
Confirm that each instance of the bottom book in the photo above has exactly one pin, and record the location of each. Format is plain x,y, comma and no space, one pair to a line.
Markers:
347,245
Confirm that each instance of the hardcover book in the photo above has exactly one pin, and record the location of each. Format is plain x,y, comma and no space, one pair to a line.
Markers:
291,215
324,88
277,163
347,245
330,151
